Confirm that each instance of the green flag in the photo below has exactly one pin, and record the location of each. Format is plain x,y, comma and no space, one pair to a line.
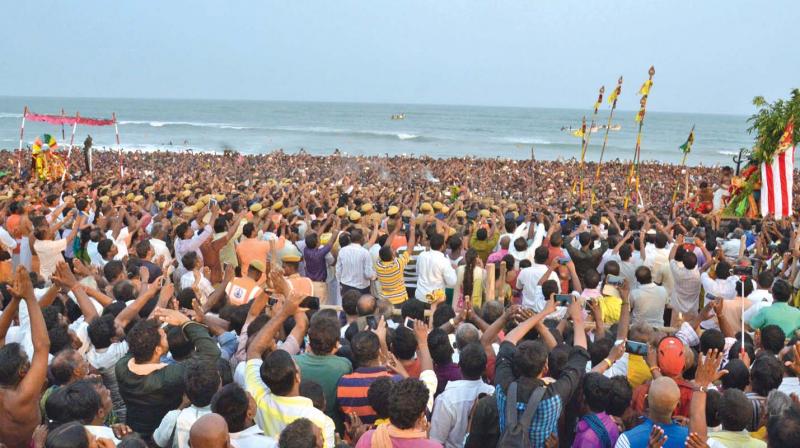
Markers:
687,147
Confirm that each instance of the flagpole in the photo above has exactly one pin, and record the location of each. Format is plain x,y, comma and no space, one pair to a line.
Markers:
71,141
119,148
21,134
689,142
587,136
633,176
583,151
616,94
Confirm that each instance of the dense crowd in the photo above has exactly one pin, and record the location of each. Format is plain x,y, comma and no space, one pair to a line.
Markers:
300,301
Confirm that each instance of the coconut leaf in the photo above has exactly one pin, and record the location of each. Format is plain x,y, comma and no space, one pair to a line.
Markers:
769,122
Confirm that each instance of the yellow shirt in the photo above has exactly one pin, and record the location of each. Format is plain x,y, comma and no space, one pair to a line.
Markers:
275,412
390,278
611,307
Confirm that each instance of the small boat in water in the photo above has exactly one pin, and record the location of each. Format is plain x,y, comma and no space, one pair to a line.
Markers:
399,117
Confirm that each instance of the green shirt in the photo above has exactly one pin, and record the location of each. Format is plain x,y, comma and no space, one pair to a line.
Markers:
325,370
485,247
780,314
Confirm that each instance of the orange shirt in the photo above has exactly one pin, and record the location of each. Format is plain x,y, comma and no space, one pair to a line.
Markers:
12,223
242,290
252,249
300,284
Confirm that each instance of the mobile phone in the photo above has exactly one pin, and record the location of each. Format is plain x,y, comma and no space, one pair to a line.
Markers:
563,261
742,270
710,297
372,322
272,301
163,281
409,323
615,280
564,299
636,348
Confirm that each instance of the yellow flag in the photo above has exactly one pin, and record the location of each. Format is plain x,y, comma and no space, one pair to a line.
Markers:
613,96
646,87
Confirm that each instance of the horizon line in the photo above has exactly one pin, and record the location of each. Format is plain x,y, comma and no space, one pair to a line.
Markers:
353,103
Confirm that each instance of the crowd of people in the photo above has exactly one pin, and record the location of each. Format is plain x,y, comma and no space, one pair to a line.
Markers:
174,300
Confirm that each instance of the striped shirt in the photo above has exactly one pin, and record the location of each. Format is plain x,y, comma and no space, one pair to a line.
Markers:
275,412
351,393
390,278
410,271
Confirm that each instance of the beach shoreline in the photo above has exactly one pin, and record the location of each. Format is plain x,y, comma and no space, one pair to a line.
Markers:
344,154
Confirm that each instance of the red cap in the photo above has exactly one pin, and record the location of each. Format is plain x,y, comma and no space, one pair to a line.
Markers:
670,356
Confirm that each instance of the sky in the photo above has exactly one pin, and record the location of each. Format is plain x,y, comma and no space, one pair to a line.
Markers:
711,56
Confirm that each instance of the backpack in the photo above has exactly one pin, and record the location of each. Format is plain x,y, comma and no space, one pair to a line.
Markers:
517,433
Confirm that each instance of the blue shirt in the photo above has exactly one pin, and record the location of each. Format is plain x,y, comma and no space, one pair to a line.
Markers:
639,435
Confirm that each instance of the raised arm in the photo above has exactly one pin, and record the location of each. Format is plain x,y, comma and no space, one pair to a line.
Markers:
30,388
7,318
147,293
625,312
64,277
287,307
490,334
524,327
423,353
234,228
707,372
219,292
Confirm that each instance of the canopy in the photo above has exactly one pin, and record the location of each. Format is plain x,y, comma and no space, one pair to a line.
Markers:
69,120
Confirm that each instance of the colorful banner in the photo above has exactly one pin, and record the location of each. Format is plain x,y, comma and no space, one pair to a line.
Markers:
59,119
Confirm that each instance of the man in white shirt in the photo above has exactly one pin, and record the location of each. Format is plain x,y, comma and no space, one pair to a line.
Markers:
734,247
724,285
49,249
194,275
434,271
238,409
761,297
201,383
657,256
528,281
452,407
8,242
648,300
189,241
354,265
160,249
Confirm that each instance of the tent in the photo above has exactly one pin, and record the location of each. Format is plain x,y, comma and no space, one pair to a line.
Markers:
73,121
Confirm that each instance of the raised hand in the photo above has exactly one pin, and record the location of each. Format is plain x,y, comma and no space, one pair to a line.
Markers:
171,317
657,438
795,365
22,288
64,276
708,368
696,441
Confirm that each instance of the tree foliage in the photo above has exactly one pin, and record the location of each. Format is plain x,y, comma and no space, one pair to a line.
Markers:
769,123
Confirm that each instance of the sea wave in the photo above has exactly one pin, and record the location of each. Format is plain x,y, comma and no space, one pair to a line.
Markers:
200,124
9,115
526,140
728,153
352,132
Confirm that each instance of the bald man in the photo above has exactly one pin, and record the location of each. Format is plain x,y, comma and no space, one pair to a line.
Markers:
210,431
662,399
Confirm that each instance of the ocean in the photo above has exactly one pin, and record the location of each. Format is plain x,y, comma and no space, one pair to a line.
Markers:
254,127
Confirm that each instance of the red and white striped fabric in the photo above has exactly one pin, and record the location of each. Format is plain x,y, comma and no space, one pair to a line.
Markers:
776,184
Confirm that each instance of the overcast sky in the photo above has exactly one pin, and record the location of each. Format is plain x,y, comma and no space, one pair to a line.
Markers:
710,55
